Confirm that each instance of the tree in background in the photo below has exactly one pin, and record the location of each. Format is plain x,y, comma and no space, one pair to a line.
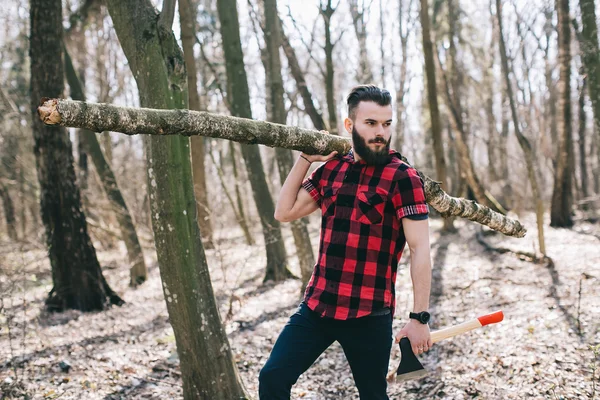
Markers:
562,195
434,112
76,274
138,272
239,99
156,61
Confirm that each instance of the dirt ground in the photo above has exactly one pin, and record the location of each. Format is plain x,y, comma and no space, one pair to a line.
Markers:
542,349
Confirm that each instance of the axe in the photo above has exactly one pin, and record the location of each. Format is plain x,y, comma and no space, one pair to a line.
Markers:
411,368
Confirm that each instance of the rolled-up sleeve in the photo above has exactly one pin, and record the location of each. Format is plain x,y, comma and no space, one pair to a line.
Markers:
312,184
409,196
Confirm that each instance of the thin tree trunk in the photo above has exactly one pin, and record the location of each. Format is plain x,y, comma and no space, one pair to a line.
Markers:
76,274
453,95
523,141
401,92
238,216
309,106
160,74
550,105
434,112
239,98
285,161
133,121
562,195
238,195
138,271
591,55
327,13
582,141
9,213
187,15
363,72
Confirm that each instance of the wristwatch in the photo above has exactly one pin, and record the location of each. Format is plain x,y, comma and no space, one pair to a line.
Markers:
422,317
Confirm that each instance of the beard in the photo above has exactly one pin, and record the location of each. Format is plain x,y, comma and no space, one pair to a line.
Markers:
371,157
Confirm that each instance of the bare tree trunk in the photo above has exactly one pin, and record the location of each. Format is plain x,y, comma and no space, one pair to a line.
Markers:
591,55
89,143
382,42
9,213
363,72
327,12
76,274
187,15
434,112
562,195
401,92
523,141
550,105
238,195
160,74
582,140
309,106
285,161
453,96
239,98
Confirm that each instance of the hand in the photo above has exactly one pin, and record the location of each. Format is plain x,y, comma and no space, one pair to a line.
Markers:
319,158
419,336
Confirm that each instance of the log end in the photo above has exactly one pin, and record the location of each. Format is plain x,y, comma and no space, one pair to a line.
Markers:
48,111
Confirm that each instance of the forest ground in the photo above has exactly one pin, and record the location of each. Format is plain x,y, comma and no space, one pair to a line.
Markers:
542,350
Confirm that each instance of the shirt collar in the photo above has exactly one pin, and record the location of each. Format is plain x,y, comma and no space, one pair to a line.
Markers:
350,157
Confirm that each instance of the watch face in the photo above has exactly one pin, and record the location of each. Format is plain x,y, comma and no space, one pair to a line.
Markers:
425,317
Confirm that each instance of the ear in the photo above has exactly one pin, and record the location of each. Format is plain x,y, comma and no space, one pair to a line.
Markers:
348,125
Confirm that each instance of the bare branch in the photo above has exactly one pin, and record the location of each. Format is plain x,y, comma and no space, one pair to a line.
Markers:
167,15
133,121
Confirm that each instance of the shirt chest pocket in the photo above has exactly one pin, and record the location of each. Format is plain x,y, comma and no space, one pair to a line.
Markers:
369,208
328,201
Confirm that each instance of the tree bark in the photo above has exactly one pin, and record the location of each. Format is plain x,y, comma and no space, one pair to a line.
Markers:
9,213
138,272
401,92
157,65
187,15
309,106
239,98
76,274
562,195
591,56
285,160
523,141
327,13
434,112
364,73
582,141
132,121
453,95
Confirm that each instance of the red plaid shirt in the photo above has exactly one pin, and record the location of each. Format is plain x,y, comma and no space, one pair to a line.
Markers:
361,233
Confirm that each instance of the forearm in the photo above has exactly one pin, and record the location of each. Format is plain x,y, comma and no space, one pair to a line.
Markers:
291,186
420,272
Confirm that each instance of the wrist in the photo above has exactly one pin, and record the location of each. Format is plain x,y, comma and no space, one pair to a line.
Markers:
420,317
304,157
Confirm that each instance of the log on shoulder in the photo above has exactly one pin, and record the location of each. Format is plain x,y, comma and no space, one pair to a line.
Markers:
133,121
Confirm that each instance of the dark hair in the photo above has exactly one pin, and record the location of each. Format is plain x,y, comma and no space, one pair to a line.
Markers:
367,93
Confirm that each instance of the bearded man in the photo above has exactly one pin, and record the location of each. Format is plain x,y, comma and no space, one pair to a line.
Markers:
372,204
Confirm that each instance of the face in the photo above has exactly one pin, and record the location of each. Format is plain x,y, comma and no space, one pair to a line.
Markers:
371,132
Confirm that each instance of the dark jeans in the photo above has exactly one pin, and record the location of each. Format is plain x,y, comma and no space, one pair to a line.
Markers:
367,342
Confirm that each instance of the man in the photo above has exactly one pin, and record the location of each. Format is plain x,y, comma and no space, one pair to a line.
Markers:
372,204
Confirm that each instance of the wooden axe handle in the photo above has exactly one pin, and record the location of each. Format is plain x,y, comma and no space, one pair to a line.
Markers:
467,326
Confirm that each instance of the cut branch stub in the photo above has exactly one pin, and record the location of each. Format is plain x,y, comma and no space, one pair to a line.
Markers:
132,121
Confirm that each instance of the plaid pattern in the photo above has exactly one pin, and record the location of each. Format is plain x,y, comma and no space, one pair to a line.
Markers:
361,233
